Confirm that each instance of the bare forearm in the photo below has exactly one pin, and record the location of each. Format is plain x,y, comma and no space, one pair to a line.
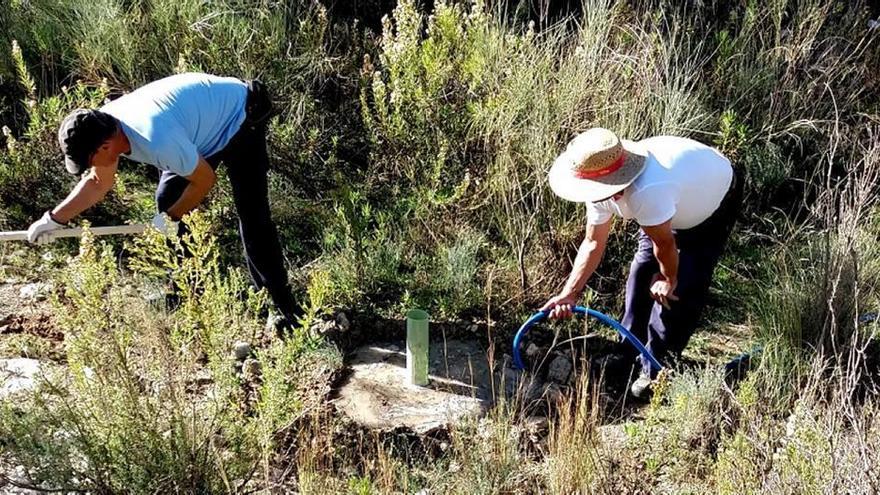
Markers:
192,196
587,260
667,257
86,194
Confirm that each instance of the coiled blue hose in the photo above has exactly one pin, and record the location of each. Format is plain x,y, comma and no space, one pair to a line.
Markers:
629,337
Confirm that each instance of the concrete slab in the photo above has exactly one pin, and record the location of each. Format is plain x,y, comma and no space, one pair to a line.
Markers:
377,396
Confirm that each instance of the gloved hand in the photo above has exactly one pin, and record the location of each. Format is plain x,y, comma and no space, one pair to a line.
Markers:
164,224
40,232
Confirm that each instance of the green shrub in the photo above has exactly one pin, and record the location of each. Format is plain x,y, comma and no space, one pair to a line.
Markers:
152,401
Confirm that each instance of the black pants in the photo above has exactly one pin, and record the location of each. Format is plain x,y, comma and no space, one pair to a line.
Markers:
247,161
666,331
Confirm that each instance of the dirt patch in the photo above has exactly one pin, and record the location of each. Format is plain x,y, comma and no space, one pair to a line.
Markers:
376,394
39,325
28,327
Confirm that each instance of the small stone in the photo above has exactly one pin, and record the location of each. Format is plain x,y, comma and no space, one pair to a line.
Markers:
342,322
241,350
474,328
251,370
37,291
559,370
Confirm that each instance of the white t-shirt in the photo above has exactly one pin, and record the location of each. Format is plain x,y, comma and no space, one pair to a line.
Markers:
683,180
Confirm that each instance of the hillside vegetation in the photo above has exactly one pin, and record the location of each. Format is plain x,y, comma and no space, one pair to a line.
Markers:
409,170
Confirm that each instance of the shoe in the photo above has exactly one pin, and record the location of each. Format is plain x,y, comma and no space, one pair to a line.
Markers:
641,388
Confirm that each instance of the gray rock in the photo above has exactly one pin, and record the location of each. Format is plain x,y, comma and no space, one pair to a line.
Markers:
37,291
342,322
241,350
18,375
559,370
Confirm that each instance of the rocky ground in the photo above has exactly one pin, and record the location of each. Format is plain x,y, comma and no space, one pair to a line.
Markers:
30,343
469,373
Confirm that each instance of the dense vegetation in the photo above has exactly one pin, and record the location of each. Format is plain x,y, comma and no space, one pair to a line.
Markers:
409,164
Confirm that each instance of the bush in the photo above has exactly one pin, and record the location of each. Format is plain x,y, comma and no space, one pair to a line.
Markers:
152,402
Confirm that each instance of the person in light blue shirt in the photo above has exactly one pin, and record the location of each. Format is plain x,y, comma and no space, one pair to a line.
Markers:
185,125
171,122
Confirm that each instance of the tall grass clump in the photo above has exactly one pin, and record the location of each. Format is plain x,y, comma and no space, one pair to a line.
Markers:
825,278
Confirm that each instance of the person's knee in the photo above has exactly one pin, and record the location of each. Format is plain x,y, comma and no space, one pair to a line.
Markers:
163,202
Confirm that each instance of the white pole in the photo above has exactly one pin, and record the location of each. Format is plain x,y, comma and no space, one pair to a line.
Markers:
21,235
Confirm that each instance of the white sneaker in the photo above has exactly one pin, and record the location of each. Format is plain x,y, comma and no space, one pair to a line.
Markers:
641,388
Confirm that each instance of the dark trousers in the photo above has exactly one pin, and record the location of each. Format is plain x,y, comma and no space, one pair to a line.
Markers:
247,162
666,332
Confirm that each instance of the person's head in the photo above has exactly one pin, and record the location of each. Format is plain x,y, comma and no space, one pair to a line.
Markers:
89,138
596,166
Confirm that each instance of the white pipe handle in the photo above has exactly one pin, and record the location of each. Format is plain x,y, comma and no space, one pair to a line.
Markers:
21,235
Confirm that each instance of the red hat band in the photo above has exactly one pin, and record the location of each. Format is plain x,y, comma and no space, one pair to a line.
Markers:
610,169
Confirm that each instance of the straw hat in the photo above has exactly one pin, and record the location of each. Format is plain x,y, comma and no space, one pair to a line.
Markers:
596,165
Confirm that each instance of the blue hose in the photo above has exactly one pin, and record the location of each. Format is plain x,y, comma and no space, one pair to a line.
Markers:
629,337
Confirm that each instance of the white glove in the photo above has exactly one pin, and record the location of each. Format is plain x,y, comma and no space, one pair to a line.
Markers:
40,232
164,224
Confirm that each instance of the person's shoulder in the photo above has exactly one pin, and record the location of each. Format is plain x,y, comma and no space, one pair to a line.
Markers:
668,143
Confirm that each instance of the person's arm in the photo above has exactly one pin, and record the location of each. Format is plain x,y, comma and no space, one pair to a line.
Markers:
666,252
589,255
90,190
200,183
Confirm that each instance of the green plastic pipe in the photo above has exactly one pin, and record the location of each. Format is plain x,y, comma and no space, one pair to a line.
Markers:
417,347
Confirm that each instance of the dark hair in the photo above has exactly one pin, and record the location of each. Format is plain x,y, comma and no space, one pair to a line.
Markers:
81,133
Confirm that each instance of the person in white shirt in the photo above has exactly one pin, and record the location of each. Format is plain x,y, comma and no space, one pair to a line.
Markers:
685,197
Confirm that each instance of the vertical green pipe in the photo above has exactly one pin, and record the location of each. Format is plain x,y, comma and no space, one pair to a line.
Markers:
417,347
